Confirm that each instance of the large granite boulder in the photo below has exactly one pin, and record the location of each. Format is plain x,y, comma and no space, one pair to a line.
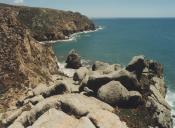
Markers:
73,60
113,93
126,78
80,74
105,68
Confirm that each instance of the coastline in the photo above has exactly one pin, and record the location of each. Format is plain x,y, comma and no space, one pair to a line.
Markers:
72,36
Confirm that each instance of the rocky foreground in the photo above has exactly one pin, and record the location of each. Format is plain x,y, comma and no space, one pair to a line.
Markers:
102,96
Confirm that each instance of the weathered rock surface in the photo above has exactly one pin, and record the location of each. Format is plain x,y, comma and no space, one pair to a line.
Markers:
153,90
105,68
73,60
80,74
139,101
113,93
126,78
52,110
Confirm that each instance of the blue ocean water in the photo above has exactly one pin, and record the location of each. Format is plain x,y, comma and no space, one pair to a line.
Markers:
121,39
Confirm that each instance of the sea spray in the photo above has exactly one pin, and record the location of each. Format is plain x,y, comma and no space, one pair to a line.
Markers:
170,99
70,72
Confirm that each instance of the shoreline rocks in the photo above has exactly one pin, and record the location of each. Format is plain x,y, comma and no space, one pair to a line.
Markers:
98,99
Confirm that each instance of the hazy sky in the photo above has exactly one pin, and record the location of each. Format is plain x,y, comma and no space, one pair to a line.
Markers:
107,8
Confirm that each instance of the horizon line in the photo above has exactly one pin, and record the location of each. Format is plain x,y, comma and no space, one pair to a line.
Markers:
130,17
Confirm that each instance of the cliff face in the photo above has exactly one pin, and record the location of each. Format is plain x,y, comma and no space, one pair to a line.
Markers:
47,24
50,24
22,59
24,62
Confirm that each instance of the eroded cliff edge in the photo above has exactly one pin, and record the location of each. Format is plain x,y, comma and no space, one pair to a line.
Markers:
24,62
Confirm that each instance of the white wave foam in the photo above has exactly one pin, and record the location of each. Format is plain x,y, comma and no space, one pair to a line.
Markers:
73,37
68,72
170,98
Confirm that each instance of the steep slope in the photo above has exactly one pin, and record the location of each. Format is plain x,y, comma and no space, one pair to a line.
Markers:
24,62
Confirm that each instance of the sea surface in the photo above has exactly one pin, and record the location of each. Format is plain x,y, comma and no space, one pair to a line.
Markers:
119,40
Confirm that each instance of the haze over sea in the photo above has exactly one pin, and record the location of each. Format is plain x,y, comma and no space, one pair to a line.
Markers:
121,39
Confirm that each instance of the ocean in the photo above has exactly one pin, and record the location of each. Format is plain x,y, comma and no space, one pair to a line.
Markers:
118,40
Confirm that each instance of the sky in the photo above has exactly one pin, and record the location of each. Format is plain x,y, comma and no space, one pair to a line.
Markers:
107,8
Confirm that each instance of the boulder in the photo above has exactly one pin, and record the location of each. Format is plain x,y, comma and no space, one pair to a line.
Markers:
73,60
80,74
98,65
113,93
55,119
85,122
105,119
126,78
80,105
29,117
59,88
136,65
73,104
105,68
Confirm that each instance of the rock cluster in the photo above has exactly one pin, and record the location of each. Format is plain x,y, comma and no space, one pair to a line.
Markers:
93,97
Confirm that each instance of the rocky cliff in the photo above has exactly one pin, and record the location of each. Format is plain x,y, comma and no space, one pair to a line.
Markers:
49,24
24,62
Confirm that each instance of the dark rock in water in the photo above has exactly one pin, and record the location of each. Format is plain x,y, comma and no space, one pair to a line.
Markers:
136,65
73,60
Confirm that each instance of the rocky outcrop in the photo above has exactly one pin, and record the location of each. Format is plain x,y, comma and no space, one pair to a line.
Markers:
71,110
50,24
24,61
116,94
94,98
73,60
